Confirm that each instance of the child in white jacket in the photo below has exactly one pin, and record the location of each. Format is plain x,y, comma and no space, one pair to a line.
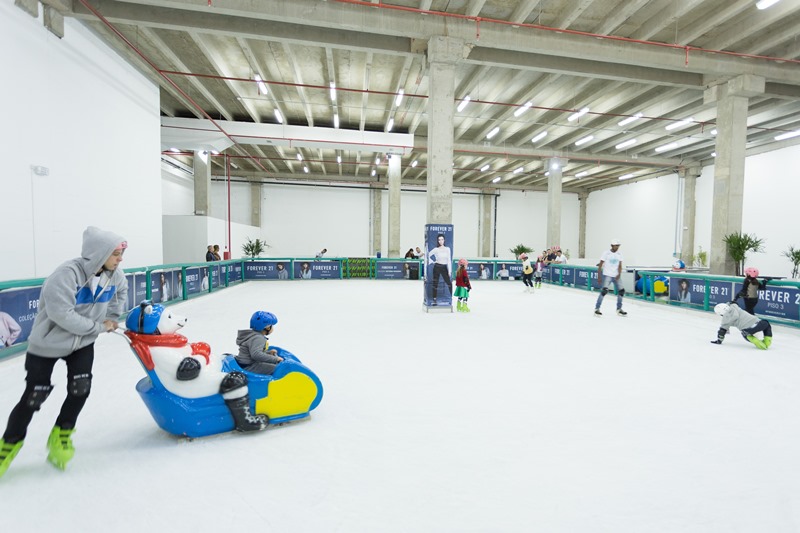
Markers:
749,325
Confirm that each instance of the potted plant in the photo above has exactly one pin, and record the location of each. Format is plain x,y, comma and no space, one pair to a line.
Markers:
794,256
254,248
739,244
520,248
701,259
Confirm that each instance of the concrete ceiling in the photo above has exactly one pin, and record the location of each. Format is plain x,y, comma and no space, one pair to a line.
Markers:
616,57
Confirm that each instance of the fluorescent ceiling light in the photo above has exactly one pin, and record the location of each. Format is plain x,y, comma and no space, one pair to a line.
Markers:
584,140
714,131
484,168
554,165
539,137
463,104
626,176
173,149
581,174
299,156
372,173
339,159
518,170
547,173
413,163
789,135
579,114
629,142
390,125
630,119
214,152
336,120
496,179
522,109
713,154
399,98
278,116
305,169
680,124
670,146
378,160
234,165
764,4
262,87
333,91
493,132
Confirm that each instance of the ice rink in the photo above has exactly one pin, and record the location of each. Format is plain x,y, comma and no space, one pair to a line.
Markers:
528,414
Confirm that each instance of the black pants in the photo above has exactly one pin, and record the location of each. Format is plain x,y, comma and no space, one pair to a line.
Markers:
439,271
526,279
750,305
761,325
39,371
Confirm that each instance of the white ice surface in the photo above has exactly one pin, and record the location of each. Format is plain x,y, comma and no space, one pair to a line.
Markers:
528,414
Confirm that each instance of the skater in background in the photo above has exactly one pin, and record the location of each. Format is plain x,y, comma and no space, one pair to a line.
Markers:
750,288
254,352
527,272
81,299
410,254
463,286
609,271
320,254
538,270
419,254
749,325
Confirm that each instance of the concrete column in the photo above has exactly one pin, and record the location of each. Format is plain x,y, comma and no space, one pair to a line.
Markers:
555,166
31,7
487,223
255,204
582,197
443,54
726,216
202,184
375,199
394,206
689,177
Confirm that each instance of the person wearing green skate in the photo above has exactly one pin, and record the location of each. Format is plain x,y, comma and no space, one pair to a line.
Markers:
81,299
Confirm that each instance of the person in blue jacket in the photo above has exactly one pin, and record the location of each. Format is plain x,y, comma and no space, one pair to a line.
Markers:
81,299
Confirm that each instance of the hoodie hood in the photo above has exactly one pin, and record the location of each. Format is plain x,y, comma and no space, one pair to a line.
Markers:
98,245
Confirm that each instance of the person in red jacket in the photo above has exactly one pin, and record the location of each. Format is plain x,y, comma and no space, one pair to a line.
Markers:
463,286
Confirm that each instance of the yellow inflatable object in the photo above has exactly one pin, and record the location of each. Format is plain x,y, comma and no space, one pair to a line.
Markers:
290,395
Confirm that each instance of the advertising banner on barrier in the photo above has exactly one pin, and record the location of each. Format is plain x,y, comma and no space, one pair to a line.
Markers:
397,270
137,289
438,265
18,308
235,274
217,274
719,292
581,275
687,290
317,270
194,280
567,275
267,270
781,302
483,271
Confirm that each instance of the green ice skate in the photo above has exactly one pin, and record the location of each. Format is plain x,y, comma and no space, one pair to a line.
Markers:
8,451
758,342
767,341
60,445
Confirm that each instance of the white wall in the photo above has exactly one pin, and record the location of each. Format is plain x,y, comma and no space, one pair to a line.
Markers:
75,107
186,237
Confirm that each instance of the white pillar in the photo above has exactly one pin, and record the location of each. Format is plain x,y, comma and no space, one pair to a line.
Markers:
555,166
394,206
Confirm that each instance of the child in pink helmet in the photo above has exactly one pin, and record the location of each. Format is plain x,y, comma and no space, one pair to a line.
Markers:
750,289
463,286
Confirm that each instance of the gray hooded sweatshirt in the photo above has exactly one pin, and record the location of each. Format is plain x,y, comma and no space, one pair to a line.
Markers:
253,349
735,317
70,314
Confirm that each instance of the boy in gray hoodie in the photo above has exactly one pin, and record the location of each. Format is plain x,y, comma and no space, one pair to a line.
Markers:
81,299
749,325
254,353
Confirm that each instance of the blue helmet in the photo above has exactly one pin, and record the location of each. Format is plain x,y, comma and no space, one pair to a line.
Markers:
144,318
261,320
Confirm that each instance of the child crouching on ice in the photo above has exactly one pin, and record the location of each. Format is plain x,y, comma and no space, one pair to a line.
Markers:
254,353
462,286
749,325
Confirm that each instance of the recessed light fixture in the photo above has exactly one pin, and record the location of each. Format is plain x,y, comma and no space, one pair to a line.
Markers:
493,132
670,146
578,114
679,124
629,142
463,104
521,110
539,137
630,119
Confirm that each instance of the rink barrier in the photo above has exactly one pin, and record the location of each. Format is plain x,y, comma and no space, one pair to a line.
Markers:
19,299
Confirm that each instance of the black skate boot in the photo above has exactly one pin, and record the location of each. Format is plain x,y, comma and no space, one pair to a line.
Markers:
234,391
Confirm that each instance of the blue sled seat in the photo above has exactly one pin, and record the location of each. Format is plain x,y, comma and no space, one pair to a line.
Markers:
290,393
